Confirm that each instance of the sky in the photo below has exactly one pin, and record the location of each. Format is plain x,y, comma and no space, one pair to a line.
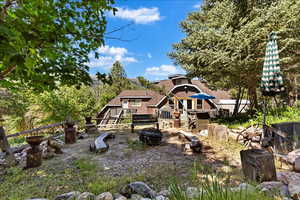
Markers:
151,27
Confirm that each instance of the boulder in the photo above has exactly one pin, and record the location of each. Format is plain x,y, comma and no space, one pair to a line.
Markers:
291,157
68,196
244,186
165,193
192,192
220,132
37,199
57,145
136,197
287,177
137,188
120,197
274,186
105,196
86,196
160,197
294,189
297,164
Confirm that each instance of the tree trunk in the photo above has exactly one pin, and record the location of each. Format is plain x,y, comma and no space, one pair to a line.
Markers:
252,97
4,145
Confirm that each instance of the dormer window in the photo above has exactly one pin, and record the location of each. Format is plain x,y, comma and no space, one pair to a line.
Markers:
180,79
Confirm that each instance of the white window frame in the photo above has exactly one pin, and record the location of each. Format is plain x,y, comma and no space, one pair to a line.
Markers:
136,102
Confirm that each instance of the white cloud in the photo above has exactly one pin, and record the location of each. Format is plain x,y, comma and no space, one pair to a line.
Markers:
163,70
198,5
149,55
108,55
139,16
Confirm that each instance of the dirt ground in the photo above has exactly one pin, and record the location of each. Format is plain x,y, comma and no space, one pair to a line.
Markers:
126,156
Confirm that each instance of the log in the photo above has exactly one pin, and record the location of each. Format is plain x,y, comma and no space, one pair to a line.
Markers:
99,145
195,143
258,165
36,129
4,145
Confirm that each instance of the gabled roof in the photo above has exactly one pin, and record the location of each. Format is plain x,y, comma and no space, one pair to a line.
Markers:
133,94
155,97
219,94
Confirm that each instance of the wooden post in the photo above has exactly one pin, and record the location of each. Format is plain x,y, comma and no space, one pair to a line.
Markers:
258,165
70,132
132,128
4,145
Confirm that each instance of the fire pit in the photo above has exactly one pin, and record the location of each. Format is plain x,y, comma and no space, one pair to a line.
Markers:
150,136
34,154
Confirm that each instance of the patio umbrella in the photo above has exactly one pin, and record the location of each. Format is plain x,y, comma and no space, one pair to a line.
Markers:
202,96
271,81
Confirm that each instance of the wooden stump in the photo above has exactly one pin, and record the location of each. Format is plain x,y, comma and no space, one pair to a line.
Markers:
70,133
4,145
210,130
258,165
33,158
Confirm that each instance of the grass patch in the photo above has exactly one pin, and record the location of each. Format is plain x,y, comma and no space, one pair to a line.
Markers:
137,145
273,115
213,190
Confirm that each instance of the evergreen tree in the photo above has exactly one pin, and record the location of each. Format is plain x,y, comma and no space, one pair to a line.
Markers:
225,42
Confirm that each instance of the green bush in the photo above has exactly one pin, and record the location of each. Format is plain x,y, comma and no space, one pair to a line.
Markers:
273,115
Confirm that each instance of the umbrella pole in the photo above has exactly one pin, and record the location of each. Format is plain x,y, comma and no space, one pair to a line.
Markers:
264,117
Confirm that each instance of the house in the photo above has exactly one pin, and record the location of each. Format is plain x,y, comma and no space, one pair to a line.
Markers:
175,96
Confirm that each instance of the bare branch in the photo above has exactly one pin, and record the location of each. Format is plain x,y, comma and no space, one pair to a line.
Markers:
120,28
7,71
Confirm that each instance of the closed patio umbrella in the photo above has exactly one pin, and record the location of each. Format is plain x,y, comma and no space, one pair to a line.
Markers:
271,81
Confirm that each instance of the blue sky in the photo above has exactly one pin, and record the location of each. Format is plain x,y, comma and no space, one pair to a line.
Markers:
155,27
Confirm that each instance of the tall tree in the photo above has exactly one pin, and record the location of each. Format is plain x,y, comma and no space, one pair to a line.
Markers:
225,42
117,71
44,43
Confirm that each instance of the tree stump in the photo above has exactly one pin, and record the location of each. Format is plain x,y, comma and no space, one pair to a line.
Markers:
70,133
258,165
210,130
4,145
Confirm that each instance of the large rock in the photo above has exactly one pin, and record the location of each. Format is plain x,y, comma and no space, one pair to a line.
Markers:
120,197
244,186
136,197
105,196
291,157
165,193
220,132
86,196
160,197
294,189
287,177
274,186
192,192
47,151
137,188
68,196
37,199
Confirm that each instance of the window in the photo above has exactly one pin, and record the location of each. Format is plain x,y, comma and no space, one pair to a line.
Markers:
171,103
199,104
180,103
136,102
189,104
